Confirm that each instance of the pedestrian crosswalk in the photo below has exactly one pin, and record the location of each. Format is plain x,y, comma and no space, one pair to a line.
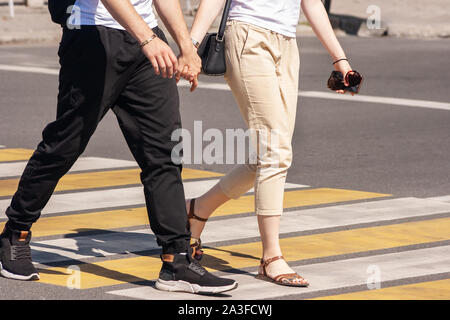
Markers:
433,290
15,154
345,242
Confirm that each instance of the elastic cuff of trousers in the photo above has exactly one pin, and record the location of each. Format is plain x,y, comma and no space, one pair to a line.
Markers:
272,212
17,226
13,222
176,247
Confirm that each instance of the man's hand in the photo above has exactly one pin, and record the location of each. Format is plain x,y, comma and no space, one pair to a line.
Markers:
189,67
189,64
161,57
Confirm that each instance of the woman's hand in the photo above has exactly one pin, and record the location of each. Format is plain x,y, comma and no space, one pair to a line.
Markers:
318,18
344,67
189,67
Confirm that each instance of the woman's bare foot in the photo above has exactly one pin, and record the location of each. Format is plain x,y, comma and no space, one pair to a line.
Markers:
280,267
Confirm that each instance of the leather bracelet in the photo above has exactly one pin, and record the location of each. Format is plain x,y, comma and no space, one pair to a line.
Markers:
146,42
343,59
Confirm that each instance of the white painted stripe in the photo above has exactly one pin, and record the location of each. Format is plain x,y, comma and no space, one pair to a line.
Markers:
335,96
322,276
206,85
89,163
307,94
320,218
88,200
442,199
242,228
1,147
99,245
94,200
372,99
25,69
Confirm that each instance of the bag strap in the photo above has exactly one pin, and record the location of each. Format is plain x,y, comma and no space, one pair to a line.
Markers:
223,22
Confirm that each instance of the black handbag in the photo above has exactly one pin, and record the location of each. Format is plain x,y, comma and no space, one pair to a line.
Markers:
212,48
58,10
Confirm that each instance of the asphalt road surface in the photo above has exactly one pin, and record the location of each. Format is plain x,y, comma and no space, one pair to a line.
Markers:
391,149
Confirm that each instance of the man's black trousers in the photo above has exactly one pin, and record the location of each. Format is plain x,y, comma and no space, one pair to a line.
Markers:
102,69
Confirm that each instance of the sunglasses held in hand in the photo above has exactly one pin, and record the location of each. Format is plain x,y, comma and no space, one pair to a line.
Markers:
354,80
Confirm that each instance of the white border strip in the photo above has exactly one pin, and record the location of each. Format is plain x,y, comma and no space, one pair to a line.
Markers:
373,99
15,169
14,68
333,96
441,199
306,94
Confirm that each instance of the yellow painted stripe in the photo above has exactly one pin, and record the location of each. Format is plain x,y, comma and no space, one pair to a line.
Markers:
15,154
106,273
76,223
430,290
113,219
188,174
299,198
104,179
247,255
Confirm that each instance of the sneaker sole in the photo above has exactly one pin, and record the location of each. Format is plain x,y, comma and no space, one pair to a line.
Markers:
183,286
5,273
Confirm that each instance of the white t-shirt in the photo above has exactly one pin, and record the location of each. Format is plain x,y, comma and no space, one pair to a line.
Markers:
280,16
93,12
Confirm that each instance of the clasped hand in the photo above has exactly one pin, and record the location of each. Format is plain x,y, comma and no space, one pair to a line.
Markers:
165,63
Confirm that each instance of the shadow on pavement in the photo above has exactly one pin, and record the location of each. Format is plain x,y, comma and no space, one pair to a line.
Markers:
350,24
91,243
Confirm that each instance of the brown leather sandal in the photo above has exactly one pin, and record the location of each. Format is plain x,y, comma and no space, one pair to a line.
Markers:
287,279
195,244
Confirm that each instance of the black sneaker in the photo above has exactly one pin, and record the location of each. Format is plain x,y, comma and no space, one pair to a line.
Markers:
15,255
182,273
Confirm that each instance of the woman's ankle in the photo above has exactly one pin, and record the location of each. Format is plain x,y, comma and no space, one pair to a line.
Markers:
268,254
200,210
195,226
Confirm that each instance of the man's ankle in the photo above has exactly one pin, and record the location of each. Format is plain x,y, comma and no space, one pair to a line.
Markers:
10,225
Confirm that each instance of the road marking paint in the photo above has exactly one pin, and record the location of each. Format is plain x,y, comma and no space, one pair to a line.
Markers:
334,96
326,217
299,198
75,223
106,273
95,200
333,243
441,199
307,94
133,196
27,69
311,219
102,179
243,228
107,220
15,169
95,245
247,255
381,100
333,275
430,290
15,154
